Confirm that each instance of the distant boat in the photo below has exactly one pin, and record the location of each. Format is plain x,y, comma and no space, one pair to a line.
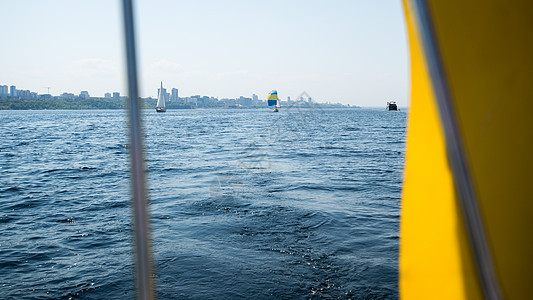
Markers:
273,100
391,105
160,106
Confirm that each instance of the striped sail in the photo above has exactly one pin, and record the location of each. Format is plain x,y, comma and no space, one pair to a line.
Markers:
272,98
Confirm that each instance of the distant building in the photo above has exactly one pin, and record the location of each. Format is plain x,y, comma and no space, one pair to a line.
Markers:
116,95
205,101
194,99
174,97
4,90
13,91
228,102
244,101
24,94
288,99
84,95
190,100
67,95
309,100
107,95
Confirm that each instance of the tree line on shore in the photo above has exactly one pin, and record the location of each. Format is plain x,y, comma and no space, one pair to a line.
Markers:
92,103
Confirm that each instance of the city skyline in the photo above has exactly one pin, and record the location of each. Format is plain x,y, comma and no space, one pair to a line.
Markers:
11,91
353,52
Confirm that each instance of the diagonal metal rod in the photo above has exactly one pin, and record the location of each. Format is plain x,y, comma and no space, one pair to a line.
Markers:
457,155
144,269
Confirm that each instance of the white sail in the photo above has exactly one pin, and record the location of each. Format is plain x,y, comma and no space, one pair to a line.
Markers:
161,98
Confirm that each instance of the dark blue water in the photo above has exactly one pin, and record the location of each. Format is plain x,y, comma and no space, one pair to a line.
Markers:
245,203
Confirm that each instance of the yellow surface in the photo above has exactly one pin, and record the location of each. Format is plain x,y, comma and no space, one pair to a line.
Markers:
487,48
435,260
272,97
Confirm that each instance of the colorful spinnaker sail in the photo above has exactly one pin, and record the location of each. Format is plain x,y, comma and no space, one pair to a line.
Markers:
273,98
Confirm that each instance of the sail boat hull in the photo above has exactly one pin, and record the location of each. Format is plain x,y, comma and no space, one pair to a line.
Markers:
161,109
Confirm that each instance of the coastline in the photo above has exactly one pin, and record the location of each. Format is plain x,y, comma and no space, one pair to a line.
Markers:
101,103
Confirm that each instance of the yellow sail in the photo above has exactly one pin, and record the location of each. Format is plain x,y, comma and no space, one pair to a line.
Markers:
467,208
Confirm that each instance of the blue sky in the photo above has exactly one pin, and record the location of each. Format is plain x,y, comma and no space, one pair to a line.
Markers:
353,52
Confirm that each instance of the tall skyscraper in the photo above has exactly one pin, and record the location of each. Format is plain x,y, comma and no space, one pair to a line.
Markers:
13,91
174,97
107,95
4,90
116,95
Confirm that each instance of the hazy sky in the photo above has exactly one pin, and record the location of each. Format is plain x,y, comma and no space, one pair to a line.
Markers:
353,52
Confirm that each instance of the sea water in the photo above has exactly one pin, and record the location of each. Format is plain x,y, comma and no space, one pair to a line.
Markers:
299,204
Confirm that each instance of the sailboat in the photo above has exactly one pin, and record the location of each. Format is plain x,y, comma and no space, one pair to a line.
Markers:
160,106
273,100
